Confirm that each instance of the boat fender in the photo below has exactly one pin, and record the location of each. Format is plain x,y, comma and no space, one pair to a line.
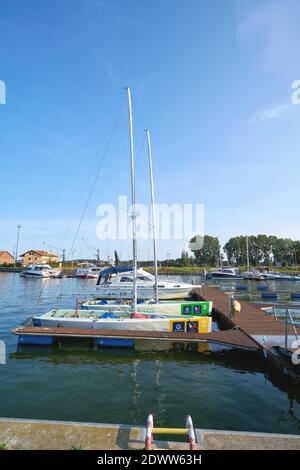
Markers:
139,315
236,306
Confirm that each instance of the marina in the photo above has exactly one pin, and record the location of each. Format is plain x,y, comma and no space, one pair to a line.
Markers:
150,248
152,374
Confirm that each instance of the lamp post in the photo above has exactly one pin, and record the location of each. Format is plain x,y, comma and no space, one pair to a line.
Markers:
17,243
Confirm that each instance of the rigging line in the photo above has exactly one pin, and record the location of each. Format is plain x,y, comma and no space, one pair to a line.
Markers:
79,199
97,173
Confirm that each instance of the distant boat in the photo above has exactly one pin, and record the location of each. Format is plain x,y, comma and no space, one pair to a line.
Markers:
88,271
225,273
40,270
253,276
277,276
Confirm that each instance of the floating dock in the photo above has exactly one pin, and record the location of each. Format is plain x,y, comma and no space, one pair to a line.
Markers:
234,338
30,434
274,337
251,329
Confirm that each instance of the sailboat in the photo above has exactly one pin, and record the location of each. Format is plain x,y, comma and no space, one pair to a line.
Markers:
130,318
148,287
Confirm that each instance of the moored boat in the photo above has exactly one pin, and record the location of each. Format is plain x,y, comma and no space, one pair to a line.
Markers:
198,308
225,273
88,271
118,320
121,286
40,271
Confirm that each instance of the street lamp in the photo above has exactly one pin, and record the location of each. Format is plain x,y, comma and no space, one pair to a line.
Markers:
17,243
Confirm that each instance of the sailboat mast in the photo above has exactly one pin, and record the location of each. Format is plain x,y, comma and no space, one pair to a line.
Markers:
153,215
247,247
133,203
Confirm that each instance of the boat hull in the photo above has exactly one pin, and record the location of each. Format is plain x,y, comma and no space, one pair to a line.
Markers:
223,276
67,319
145,293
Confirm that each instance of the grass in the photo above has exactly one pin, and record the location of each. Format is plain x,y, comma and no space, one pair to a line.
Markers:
3,446
76,448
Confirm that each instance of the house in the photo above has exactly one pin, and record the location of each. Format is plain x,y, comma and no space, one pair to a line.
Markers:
6,258
38,257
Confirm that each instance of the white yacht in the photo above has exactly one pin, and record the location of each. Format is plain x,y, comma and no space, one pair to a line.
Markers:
121,286
88,271
40,270
225,273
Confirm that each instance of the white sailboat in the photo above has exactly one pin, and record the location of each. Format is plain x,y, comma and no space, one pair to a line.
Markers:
138,284
148,286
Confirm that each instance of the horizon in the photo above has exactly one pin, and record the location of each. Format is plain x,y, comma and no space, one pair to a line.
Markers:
223,122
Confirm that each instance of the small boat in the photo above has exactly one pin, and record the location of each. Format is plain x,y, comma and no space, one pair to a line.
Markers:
121,286
277,276
118,320
40,270
88,271
167,307
225,273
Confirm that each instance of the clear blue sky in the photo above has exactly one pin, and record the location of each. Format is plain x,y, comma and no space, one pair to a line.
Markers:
210,78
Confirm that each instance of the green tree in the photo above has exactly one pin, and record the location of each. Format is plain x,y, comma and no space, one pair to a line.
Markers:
186,260
209,254
236,250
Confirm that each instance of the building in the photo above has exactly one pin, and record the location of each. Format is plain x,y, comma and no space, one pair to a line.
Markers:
6,258
38,257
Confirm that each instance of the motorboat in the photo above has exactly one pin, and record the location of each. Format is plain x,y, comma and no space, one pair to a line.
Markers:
166,307
277,276
88,271
253,275
40,270
121,286
118,320
225,273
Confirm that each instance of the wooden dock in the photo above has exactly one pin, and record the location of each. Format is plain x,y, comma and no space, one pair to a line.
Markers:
251,320
251,329
234,338
266,331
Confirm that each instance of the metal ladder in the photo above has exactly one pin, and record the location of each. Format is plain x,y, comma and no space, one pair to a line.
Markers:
188,431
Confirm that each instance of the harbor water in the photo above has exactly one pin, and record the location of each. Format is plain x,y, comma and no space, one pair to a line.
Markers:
220,387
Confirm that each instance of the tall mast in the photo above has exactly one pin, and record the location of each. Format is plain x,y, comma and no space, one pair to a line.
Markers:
153,215
134,249
247,247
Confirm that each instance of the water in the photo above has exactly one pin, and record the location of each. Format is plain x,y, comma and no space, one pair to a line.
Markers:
221,389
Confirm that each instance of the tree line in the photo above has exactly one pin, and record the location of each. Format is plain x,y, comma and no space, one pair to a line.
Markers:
263,249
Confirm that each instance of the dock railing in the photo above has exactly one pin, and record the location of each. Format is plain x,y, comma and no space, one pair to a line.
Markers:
288,315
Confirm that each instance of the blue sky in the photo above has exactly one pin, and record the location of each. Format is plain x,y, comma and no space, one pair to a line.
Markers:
211,79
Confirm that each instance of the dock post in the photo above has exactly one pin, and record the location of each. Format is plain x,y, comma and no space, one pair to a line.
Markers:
149,431
286,329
